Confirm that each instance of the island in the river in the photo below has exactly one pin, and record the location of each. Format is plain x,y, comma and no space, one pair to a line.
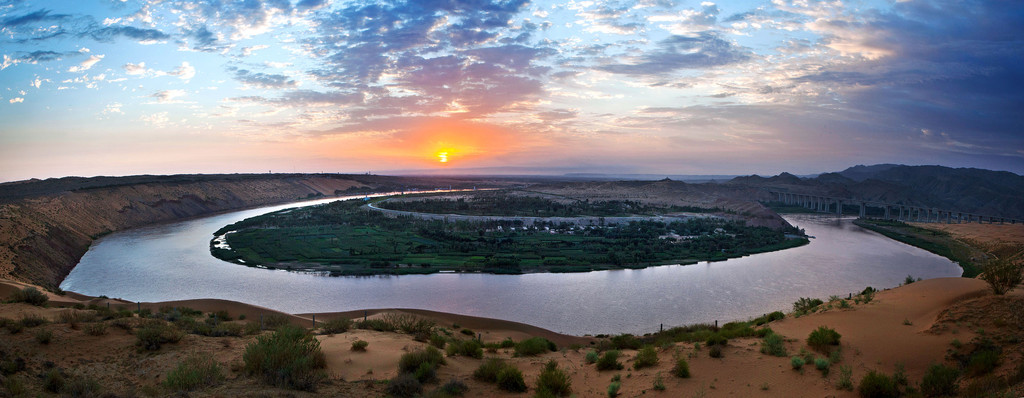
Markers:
506,231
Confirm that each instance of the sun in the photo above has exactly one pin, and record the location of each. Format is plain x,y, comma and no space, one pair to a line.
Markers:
442,157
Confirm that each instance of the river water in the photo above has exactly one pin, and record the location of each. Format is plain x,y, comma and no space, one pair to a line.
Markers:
172,262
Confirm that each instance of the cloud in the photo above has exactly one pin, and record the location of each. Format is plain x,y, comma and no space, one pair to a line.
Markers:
87,64
16,100
184,72
109,33
169,96
703,50
135,69
263,80
31,18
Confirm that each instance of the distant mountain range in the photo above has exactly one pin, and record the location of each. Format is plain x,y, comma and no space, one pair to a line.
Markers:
987,192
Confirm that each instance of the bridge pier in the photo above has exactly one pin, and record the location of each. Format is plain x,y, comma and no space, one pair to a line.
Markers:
863,210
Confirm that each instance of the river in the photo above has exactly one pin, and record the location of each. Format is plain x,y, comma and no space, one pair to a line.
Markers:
173,262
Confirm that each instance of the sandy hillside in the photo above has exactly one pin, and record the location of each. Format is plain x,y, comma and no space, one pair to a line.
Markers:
914,325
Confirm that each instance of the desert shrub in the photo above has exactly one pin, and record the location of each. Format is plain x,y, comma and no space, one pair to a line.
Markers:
659,384
534,346
899,376
940,380
985,386
553,381
54,381
797,362
468,332
154,334
511,379
407,323
30,295
774,345
681,369
32,320
488,371
81,387
609,361
72,318
806,304
438,341
222,315
908,280
716,339
1002,274
845,378
405,386
508,343
844,304
124,323
774,316
716,351
195,372
877,385
359,345
626,342
275,321
983,361
44,336
823,365
96,329
12,326
453,388
591,357
379,325
613,389
337,325
422,364
228,329
647,357
466,348
822,337
290,357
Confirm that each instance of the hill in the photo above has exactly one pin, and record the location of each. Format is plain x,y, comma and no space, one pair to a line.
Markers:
987,192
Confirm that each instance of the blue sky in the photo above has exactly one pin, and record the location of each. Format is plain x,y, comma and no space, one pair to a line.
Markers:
658,86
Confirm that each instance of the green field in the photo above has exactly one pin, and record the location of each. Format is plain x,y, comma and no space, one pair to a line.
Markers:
342,239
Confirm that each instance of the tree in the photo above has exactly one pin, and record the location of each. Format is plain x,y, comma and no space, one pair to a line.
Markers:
1003,274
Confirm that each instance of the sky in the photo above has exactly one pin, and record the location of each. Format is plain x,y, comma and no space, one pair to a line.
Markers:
112,87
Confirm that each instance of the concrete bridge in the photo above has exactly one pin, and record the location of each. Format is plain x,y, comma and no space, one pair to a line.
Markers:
891,211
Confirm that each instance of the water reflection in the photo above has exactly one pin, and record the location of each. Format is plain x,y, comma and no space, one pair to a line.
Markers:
172,262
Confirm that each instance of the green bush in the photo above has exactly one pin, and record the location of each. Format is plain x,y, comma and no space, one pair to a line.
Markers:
822,337
716,339
983,361
774,345
335,326
488,371
438,341
54,381
44,336
716,351
32,320
508,343
609,361
156,333
421,363
823,365
659,384
647,357
404,386
30,295
613,389
806,304
552,381
228,329
681,369
360,345
1003,274
453,388
195,372
877,385
290,357
626,342
940,380
591,357
511,379
534,346
845,378
796,362
466,348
